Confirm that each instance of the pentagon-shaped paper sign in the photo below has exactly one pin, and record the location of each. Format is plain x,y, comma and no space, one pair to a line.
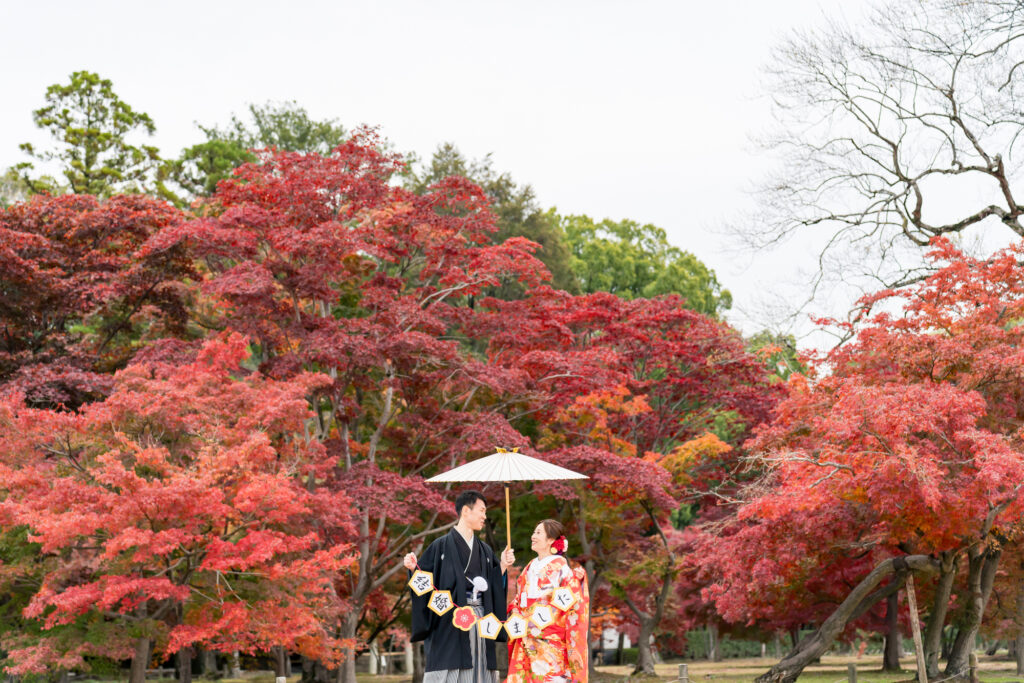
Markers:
440,602
563,598
421,582
464,618
489,626
515,627
542,615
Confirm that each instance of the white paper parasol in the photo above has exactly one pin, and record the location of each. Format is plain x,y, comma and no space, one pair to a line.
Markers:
507,466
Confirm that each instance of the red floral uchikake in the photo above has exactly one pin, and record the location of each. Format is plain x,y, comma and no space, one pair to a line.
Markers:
464,618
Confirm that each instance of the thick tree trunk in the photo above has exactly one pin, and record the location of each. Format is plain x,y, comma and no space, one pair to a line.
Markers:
207,663
937,615
313,671
185,664
864,596
280,664
349,629
714,646
981,575
236,665
140,661
644,652
618,651
891,655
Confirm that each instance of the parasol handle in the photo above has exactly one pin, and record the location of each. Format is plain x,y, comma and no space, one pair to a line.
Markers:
508,521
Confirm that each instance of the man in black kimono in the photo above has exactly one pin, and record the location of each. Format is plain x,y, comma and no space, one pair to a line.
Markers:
468,568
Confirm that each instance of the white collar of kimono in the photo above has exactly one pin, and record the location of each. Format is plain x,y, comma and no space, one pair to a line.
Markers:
533,589
538,562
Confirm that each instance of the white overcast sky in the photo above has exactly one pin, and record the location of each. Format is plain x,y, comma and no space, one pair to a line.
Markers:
632,109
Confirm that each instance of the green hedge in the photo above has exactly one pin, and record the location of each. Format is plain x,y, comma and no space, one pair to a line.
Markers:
697,646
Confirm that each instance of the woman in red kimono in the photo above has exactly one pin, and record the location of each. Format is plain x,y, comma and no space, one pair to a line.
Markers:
553,598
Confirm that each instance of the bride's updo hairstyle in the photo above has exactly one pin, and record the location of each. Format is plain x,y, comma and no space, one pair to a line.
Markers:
555,531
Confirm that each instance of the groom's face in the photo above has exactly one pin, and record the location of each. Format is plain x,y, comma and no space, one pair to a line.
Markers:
475,515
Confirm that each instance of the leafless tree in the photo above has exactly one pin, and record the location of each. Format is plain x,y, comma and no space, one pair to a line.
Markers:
893,131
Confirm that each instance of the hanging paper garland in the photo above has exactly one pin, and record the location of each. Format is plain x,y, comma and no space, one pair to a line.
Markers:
440,602
541,615
515,627
563,598
489,626
464,618
421,582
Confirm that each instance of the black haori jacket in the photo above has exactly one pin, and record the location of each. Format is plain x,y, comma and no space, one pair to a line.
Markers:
445,646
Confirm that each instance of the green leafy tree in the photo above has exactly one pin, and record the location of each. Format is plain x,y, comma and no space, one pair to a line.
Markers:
282,125
515,206
16,188
632,260
779,353
200,167
90,125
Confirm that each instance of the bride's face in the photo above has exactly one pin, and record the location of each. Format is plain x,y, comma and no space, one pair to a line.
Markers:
539,541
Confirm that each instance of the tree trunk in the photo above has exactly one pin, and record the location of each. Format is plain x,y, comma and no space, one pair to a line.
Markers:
349,629
777,645
714,643
236,665
891,656
1018,642
140,661
207,663
417,663
862,598
937,615
644,653
947,642
185,664
981,574
280,664
313,671
618,652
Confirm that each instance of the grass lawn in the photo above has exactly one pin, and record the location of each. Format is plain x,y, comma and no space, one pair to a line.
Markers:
831,670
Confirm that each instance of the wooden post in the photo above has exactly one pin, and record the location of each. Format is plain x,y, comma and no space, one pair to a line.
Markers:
851,673
915,627
973,667
684,674
508,521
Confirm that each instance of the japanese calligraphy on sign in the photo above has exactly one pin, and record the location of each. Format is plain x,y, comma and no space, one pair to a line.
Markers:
489,627
440,602
563,598
515,627
542,615
421,582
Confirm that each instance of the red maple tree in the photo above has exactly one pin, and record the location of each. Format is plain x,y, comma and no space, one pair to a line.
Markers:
903,453
328,265
619,387
77,300
175,513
